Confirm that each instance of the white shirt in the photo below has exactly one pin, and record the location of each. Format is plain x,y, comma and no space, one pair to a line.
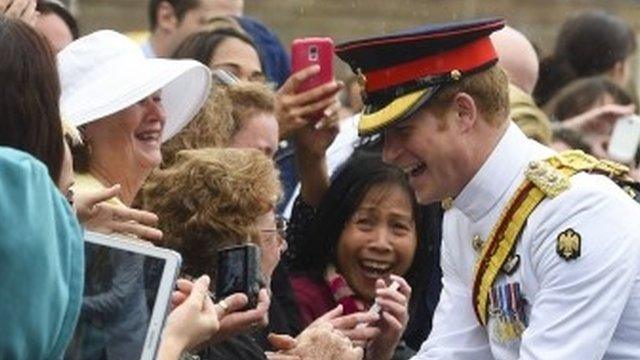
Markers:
147,49
585,308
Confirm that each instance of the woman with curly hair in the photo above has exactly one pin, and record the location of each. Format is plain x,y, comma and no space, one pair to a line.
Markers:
238,116
213,198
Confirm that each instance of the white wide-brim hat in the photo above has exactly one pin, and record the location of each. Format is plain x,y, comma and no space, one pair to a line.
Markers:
105,72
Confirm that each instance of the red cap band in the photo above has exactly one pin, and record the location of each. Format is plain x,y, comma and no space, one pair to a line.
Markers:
464,58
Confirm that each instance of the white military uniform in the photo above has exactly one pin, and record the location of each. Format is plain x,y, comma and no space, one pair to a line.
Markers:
584,308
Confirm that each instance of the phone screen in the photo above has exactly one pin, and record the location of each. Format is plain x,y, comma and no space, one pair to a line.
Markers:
231,273
238,271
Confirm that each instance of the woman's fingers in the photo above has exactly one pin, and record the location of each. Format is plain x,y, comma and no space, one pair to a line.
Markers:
276,356
351,321
138,230
281,342
231,304
404,288
361,334
177,298
303,110
316,94
140,216
328,316
199,292
239,321
399,311
293,82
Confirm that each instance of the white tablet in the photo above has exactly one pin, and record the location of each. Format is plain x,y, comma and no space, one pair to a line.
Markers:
127,292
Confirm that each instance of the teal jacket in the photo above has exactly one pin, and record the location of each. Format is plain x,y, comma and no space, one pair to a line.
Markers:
41,261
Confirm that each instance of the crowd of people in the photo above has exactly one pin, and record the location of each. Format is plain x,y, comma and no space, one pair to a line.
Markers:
456,200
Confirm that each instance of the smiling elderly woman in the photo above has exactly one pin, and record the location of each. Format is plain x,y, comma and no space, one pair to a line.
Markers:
125,106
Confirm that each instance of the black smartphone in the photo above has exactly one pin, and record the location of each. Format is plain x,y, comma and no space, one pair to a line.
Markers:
238,271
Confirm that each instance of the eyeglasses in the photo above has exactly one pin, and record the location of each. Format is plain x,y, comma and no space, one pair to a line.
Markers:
280,231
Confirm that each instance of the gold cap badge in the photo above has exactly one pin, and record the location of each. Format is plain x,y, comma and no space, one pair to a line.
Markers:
568,244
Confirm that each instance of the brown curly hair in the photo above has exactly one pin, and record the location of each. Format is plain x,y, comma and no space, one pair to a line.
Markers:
220,118
211,198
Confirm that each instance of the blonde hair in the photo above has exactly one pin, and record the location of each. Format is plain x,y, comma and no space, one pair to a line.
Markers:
489,89
220,118
211,198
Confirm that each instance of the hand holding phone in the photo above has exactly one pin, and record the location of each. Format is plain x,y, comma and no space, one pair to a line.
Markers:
238,271
625,138
313,51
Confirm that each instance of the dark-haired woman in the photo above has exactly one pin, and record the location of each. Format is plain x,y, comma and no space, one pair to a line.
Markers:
29,111
225,48
366,228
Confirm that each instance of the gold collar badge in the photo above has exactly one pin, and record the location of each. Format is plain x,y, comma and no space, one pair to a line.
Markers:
568,244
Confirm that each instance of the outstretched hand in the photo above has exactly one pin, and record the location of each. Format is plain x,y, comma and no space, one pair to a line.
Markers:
232,320
100,216
194,321
320,340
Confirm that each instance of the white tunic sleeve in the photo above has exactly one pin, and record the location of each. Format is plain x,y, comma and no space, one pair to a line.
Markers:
580,302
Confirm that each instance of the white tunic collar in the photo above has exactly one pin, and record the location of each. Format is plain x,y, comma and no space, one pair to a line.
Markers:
488,185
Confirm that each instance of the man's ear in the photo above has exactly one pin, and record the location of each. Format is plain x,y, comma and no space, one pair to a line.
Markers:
465,110
166,18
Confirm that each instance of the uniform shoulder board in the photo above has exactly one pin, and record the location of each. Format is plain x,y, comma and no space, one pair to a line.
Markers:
547,178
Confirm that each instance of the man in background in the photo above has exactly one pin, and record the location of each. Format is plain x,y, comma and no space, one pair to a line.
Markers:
172,21
519,60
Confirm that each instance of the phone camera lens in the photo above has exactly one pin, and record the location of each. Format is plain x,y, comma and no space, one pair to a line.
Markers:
313,53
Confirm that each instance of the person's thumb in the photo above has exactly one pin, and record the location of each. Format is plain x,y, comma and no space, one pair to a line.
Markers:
200,291
281,341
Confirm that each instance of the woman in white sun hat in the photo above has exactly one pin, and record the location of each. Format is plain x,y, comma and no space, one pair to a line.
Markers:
125,106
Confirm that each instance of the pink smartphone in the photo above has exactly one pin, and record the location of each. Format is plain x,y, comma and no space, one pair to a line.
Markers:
311,51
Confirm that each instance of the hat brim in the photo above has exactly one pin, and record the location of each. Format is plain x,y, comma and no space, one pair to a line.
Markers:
185,85
399,109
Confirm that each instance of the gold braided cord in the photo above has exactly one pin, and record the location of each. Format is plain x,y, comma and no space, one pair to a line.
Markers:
506,244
